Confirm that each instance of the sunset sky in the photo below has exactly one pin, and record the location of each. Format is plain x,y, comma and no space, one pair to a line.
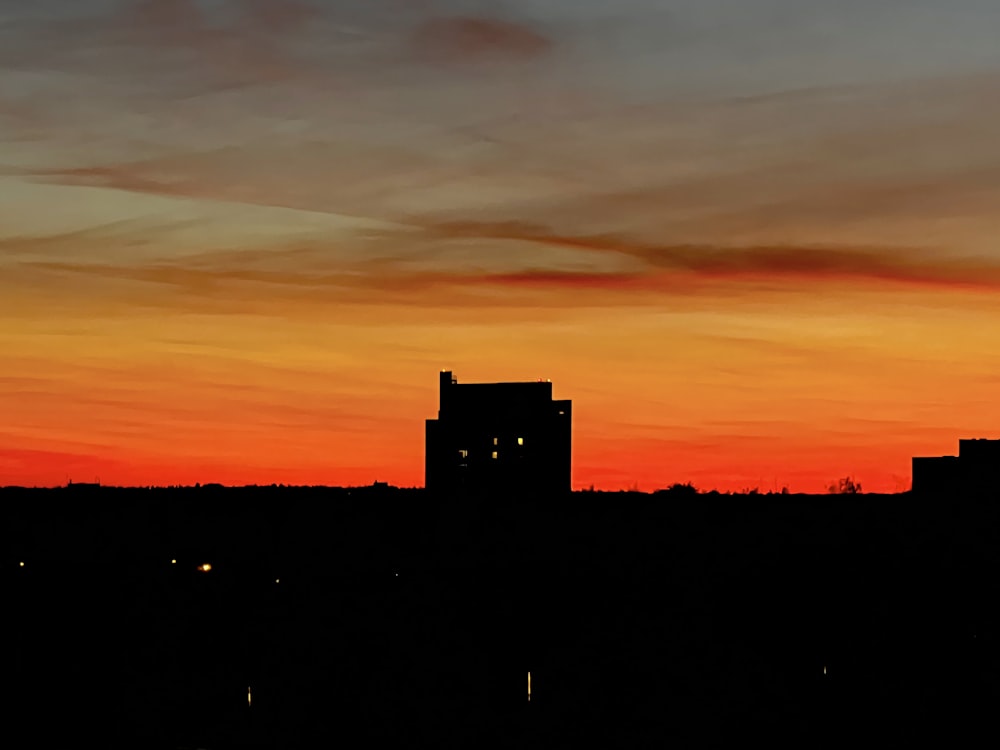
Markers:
757,242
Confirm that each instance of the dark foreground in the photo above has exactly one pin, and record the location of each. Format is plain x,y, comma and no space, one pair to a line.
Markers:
386,616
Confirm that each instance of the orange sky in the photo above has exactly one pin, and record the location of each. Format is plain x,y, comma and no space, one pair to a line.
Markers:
238,241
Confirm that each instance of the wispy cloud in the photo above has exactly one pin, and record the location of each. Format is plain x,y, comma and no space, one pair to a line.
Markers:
905,265
843,166
678,270
467,40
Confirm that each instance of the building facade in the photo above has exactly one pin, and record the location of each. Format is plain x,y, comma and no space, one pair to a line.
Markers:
498,437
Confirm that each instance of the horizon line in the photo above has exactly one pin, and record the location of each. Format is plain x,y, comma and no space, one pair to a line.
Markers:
675,488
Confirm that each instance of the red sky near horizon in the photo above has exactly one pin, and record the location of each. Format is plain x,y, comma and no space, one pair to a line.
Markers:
239,239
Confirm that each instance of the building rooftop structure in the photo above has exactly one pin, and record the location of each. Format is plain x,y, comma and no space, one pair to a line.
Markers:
976,469
498,437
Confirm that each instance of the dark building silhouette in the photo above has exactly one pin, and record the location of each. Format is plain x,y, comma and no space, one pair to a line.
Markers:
935,473
498,437
976,468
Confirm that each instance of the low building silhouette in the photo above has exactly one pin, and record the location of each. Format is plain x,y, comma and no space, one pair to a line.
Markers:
498,437
976,469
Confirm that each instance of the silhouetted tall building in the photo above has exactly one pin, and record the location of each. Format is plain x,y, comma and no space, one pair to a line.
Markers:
498,437
980,464
976,468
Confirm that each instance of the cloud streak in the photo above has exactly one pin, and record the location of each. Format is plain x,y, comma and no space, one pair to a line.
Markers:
681,270
467,40
903,265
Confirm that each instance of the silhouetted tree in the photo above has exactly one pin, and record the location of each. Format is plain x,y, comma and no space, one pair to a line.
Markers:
683,490
845,486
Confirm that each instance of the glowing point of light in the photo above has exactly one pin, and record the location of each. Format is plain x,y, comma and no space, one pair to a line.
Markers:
824,670
248,695
520,441
529,687
173,562
277,580
20,565
204,568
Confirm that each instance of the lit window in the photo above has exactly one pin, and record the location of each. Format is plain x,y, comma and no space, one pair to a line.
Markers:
463,453
520,441
495,441
494,454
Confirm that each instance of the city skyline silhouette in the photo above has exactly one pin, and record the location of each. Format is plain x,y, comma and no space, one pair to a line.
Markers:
502,436
509,436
